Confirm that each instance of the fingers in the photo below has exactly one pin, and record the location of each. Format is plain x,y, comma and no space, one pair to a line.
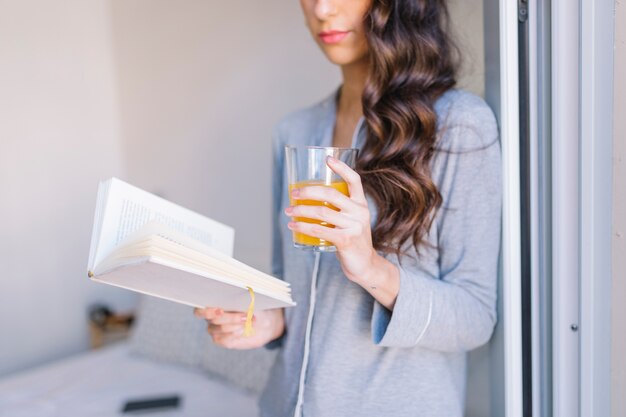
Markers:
230,336
350,176
208,313
321,213
219,316
222,322
325,194
225,328
317,230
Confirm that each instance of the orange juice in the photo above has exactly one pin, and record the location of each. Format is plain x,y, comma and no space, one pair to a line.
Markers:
301,238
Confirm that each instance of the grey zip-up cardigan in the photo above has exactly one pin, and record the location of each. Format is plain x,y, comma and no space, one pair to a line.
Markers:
344,354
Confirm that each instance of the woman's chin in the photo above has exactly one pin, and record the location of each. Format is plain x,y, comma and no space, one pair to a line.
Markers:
342,58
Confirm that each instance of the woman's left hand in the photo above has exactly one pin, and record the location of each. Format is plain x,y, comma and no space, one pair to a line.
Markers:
352,235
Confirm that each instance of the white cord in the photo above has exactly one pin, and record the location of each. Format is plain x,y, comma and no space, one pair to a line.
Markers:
307,336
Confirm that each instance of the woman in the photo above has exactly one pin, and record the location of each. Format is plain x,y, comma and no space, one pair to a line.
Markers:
382,327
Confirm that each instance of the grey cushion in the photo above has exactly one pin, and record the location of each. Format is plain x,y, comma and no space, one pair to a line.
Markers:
169,332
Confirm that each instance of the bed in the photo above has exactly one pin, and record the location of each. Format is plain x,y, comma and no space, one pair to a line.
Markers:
169,353
97,383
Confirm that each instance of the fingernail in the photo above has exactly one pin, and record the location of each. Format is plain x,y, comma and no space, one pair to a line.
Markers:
288,210
295,192
291,225
331,159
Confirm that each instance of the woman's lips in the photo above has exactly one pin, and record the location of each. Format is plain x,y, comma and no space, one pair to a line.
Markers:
332,36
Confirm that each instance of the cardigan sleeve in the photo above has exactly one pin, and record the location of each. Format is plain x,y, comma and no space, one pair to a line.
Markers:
453,309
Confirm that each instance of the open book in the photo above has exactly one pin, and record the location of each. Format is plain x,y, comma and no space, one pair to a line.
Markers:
147,244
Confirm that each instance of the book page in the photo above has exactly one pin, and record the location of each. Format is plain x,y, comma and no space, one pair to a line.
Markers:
125,209
155,238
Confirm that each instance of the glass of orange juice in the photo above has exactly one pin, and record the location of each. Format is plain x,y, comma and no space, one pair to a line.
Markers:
306,166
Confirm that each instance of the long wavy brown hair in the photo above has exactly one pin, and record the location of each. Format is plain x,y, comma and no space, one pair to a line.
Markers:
412,62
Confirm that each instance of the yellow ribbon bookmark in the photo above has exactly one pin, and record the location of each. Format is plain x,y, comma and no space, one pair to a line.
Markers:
248,330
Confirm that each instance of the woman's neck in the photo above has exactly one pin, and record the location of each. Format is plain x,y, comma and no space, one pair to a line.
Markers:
354,77
349,107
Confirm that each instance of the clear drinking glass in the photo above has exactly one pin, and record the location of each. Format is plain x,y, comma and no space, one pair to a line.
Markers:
306,166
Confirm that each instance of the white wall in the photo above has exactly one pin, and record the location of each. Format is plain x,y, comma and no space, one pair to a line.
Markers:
468,29
58,135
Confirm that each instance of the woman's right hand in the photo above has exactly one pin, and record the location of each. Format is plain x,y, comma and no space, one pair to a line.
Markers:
226,328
